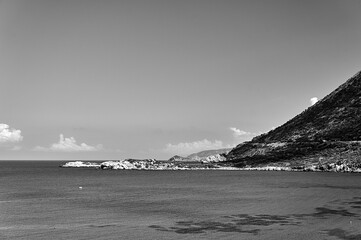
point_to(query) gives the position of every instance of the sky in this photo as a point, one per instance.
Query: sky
(99, 80)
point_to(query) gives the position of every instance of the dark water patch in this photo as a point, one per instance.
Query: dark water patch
(324, 212)
(159, 228)
(355, 206)
(197, 227)
(344, 208)
(342, 234)
(354, 201)
(245, 223)
(233, 223)
(103, 225)
(340, 187)
(263, 220)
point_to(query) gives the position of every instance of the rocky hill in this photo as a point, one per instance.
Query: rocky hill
(208, 155)
(329, 131)
(216, 155)
(177, 158)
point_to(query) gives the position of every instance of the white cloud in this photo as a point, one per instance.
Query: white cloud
(237, 132)
(9, 135)
(69, 145)
(185, 148)
(242, 136)
(313, 100)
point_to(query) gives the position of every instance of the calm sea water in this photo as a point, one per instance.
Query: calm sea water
(39, 200)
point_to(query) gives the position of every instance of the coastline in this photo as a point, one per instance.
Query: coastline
(154, 165)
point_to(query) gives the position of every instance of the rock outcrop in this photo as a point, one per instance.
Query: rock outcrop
(81, 164)
(137, 164)
(145, 164)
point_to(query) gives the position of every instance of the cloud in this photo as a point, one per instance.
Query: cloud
(185, 148)
(9, 135)
(313, 100)
(69, 145)
(242, 136)
(237, 132)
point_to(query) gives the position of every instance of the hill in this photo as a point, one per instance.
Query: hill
(217, 155)
(327, 132)
(208, 153)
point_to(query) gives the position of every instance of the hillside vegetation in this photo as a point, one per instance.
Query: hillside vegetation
(325, 133)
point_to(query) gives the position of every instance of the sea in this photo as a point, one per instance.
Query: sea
(40, 200)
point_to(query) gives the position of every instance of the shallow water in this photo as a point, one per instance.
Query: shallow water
(39, 200)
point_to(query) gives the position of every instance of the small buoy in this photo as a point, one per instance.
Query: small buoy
(80, 187)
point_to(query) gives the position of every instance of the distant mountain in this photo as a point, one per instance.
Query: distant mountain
(204, 154)
(328, 131)
(216, 155)
(176, 158)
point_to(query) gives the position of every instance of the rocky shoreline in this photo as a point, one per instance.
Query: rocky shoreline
(152, 164)
(146, 164)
